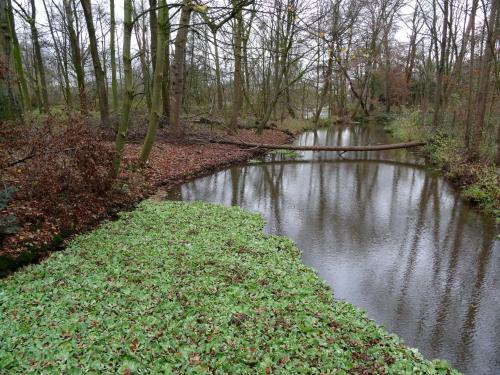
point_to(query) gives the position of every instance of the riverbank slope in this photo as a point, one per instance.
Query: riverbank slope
(55, 194)
(188, 288)
(475, 176)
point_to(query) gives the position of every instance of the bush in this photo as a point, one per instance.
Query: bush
(485, 191)
(405, 126)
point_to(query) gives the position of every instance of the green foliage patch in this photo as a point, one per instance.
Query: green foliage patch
(187, 288)
(478, 180)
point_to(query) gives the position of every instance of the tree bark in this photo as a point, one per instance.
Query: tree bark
(98, 72)
(76, 56)
(121, 135)
(178, 68)
(157, 84)
(38, 58)
(326, 86)
(218, 82)
(114, 84)
(440, 72)
(16, 51)
(484, 76)
(237, 94)
(8, 102)
(166, 74)
(393, 146)
(60, 62)
(153, 28)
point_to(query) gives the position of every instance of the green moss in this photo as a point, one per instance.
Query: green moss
(187, 288)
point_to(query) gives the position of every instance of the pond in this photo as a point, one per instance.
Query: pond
(386, 233)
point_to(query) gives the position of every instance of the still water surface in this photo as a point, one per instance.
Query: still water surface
(387, 235)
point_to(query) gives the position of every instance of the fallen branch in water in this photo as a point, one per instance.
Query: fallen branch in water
(392, 146)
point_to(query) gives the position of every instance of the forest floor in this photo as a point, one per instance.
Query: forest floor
(59, 194)
(175, 287)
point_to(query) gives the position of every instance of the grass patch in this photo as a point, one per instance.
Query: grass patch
(187, 288)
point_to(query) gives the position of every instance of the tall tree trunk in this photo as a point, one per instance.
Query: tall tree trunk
(153, 29)
(237, 94)
(76, 56)
(326, 87)
(16, 51)
(440, 72)
(112, 30)
(98, 72)
(8, 103)
(410, 61)
(470, 99)
(165, 93)
(178, 68)
(387, 68)
(457, 71)
(60, 63)
(157, 84)
(218, 82)
(38, 58)
(484, 76)
(121, 135)
(141, 43)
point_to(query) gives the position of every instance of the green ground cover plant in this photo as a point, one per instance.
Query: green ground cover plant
(187, 288)
(477, 179)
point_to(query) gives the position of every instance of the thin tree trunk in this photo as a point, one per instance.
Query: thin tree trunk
(220, 95)
(38, 58)
(326, 87)
(484, 76)
(146, 81)
(410, 62)
(178, 68)
(16, 51)
(153, 28)
(439, 97)
(166, 75)
(76, 56)
(60, 63)
(98, 72)
(114, 83)
(8, 103)
(468, 120)
(157, 84)
(237, 94)
(121, 135)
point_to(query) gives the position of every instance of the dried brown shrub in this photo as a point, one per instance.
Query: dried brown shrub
(65, 161)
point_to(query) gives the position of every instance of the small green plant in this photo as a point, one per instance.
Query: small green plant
(188, 289)
(286, 154)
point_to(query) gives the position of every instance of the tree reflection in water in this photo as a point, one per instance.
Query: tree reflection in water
(388, 235)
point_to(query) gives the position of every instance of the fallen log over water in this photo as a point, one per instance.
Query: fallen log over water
(391, 146)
